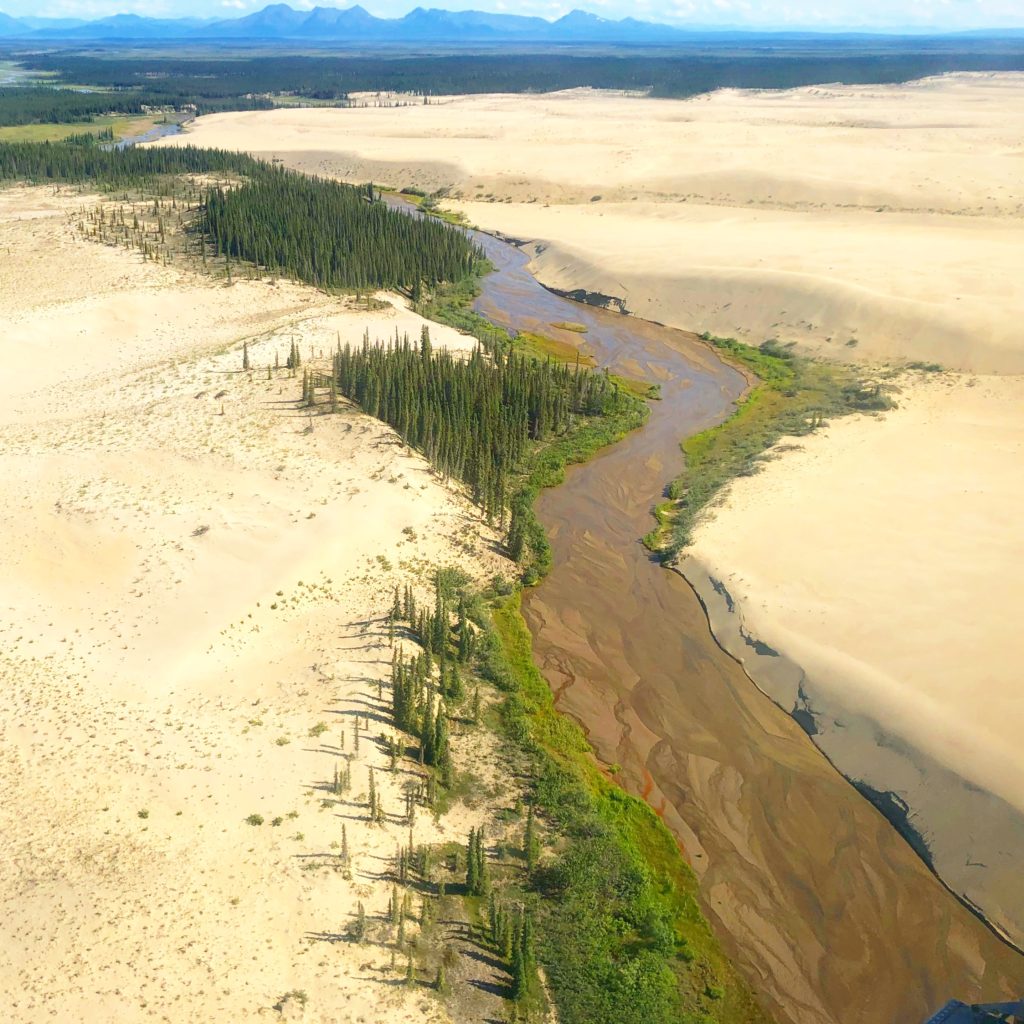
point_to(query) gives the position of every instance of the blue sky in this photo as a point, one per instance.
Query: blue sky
(866, 14)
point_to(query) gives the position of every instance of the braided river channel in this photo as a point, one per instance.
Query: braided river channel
(820, 902)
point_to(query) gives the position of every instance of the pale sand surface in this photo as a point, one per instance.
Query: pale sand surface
(936, 489)
(882, 556)
(146, 666)
(889, 215)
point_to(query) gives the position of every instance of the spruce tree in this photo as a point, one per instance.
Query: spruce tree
(530, 841)
(472, 879)
(442, 752)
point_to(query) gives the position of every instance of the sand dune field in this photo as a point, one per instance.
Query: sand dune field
(192, 591)
(880, 224)
(887, 216)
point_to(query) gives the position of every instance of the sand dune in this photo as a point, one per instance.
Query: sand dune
(875, 223)
(878, 561)
(192, 581)
(886, 215)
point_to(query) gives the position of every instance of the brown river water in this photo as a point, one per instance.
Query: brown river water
(820, 902)
(822, 905)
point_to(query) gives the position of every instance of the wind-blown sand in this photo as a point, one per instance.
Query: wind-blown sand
(888, 215)
(190, 582)
(872, 223)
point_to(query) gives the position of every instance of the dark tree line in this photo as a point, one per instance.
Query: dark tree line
(682, 71)
(473, 418)
(63, 106)
(333, 235)
(318, 231)
(47, 105)
(131, 167)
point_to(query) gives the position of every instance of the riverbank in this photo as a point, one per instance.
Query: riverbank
(793, 863)
(838, 621)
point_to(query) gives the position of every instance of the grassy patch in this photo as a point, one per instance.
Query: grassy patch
(120, 125)
(571, 325)
(541, 346)
(793, 398)
(638, 388)
(429, 204)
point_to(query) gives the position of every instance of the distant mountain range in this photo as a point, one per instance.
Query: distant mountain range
(352, 24)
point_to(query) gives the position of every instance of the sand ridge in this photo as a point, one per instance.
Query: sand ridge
(890, 631)
(192, 599)
(872, 222)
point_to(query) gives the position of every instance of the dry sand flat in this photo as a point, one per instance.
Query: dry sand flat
(879, 560)
(888, 215)
(190, 583)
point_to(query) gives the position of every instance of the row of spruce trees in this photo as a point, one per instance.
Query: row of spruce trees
(424, 689)
(322, 232)
(333, 235)
(473, 418)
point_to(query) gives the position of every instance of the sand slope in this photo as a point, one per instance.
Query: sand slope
(191, 582)
(878, 560)
(888, 215)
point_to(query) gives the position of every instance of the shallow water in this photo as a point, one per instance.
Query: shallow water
(158, 131)
(823, 905)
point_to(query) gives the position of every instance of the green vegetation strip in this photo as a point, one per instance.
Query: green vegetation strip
(794, 397)
(622, 936)
(620, 933)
